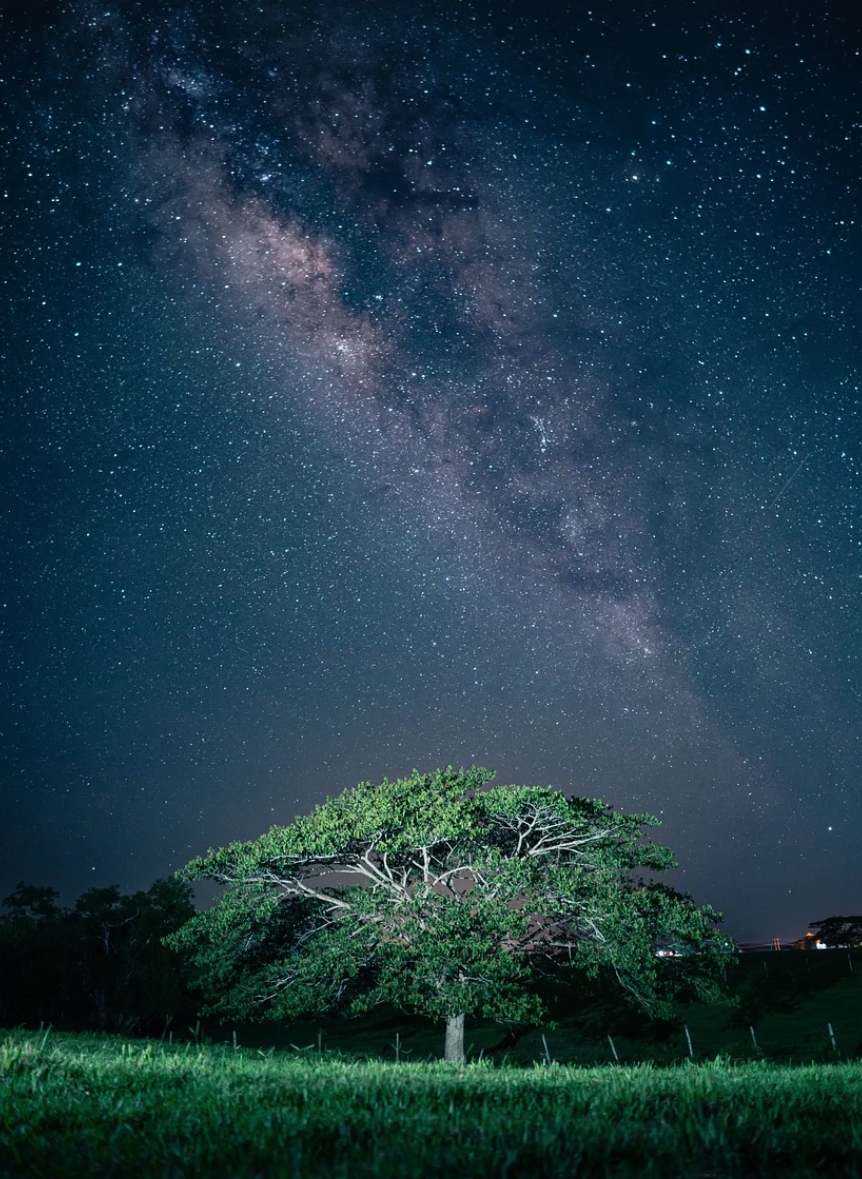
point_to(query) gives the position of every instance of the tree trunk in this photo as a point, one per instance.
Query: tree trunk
(103, 1014)
(454, 1051)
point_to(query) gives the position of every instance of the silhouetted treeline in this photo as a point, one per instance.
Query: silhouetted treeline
(840, 931)
(100, 964)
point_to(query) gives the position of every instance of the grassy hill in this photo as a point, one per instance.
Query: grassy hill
(789, 998)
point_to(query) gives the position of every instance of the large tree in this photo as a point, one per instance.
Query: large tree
(441, 897)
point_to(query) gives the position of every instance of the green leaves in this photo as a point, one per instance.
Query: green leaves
(435, 894)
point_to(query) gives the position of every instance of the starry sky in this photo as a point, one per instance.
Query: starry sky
(388, 385)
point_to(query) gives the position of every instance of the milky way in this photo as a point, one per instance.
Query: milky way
(512, 413)
(424, 299)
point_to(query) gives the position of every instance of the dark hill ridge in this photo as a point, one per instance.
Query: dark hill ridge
(789, 998)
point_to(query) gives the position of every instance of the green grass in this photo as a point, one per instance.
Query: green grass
(78, 1105)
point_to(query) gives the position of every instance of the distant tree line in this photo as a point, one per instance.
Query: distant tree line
(99, 964)
(840, 931)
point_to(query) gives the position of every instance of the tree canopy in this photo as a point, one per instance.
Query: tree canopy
(440, 896)
(840, 931)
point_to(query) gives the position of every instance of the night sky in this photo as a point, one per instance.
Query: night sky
(393, 385)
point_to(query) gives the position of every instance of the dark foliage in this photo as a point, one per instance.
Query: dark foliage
(100, 964)
(839, 931)
(784, 983)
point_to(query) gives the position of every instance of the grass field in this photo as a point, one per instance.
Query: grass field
(88, 1106)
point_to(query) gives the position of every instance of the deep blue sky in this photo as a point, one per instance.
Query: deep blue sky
(394, 385)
